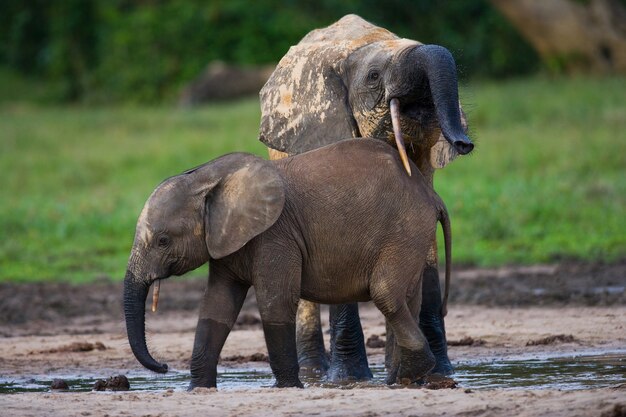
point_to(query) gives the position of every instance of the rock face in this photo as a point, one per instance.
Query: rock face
(221, 81)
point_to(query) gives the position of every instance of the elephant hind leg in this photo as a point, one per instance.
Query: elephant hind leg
(408, 358)
(415, 357)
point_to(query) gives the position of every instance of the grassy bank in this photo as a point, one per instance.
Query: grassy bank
(546, 181)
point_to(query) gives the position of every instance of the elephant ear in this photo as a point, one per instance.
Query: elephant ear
(244, 198)
(304, 104)
(442, 153)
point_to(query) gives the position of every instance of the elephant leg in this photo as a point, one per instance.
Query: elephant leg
(410, 358)
(431, 320)
(392, 354)
(312, 356)
(220, 306)
(416, 359)
(348, 359)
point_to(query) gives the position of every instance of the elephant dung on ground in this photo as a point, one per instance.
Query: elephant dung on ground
(344, 81)
(292, 229)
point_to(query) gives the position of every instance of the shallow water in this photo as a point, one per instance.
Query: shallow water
(563, 373)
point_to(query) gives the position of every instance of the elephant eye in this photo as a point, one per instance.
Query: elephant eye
(163, 241)
(373, 75)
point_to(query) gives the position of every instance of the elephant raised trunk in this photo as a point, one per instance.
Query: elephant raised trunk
(431, 88)
(135, 294)
(438, 66)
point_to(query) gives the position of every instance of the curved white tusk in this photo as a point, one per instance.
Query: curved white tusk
(155, 295)
(394, 106)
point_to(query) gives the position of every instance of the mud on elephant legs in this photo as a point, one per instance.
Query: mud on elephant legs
(409, 359)
(348, 359)
(216, 320)
(281, 348)
(431, 324)
(431, 320)
(278, 306)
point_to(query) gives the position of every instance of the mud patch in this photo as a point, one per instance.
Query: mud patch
(76, 347)
(551, 340)
(466, 341)
(255, 357)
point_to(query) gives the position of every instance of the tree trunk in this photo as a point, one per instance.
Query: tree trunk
(572, 35)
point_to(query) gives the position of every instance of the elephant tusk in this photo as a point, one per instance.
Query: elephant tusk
(155, 295)
(394, 106)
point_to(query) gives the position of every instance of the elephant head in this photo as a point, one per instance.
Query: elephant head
(343, 80)
(207, 212)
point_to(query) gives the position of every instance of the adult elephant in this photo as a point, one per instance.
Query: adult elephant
(348, 80)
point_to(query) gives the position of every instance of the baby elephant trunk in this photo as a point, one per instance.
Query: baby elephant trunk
(135, 294)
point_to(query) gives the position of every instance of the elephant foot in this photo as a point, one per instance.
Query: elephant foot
(442, 366)
(288, 384)
(313, 366)
(349, 369)
(201, 384)
(414, 365)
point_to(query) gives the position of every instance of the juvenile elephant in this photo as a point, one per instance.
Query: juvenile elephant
(354, 79)
(340, 224)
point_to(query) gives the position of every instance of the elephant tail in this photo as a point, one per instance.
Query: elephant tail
(444, 219)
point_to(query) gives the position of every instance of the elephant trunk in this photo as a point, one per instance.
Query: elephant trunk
(438, 65)
(135, 294)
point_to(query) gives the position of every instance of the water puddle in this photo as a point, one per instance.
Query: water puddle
(563, 373)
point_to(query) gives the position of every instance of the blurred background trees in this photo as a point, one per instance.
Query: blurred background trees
(145, 50)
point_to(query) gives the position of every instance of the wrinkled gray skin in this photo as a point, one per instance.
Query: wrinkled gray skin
(340, 224)
(336, 83)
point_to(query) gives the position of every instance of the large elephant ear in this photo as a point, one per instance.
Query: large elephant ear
(304, 104)
(244, 197)
(442, 153)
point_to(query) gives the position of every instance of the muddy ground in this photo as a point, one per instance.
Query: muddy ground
(51, 330)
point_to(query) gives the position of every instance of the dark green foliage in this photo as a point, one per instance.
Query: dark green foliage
(144, 50)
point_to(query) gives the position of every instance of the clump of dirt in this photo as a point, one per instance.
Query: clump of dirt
(439, 382)
(551, 340)
(59, 384)
(466, 341)
(255, 357)
(77, 347)
(114, 383)
(375, 341)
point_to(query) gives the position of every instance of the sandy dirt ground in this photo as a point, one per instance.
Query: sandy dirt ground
(59, 329)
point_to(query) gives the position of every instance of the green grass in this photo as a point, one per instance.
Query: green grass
(546, 182)
(548, 179)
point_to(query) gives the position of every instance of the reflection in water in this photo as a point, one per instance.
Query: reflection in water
(564, 373)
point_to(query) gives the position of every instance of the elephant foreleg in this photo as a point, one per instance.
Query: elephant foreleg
(348, 359)
(312, 356)
(278, 290)
(220, 306)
